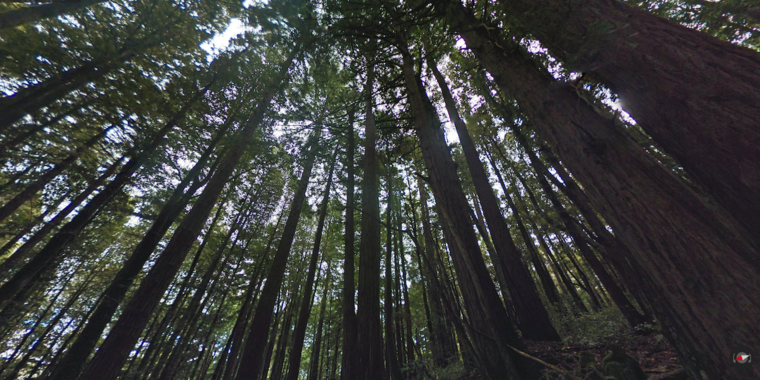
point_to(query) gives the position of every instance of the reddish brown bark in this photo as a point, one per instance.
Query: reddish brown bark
(696, 95)
(690, 253)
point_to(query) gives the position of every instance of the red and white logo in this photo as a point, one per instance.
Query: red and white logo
(742, 358)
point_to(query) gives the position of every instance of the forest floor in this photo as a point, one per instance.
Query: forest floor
(657, 358)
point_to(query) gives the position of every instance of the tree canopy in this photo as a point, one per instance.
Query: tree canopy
(426, 189)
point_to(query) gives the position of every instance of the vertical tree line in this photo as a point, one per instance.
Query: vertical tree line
(373, 190)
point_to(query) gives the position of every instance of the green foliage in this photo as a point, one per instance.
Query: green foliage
(454, 371)
(594, 328)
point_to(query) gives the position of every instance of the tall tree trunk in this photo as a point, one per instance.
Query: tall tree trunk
(483, 304)
(112, 355)
(410, 350)
(443, 350)
(271, 342)
(676, 237)
(299, 334)
(37, 13)
(241, 323)
(626, 307)
(369, 345)
(283, 342)
(317, 345)
(391, 358)
(532, 317)
(255, 343)
(610, 243)
(186, 321)
(74, 359)
(348, 367)
(711, 128)
(550, 290)
(335, 351)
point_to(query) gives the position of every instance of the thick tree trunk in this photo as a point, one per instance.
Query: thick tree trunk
(349, 315)
(369, 347)
(532, 317)
(185, 325)
(255, 343)
(112, 355)
(482, 302)
(294, 360)
(696, 95)
(613, 250)
(37, 13)
(691, 253)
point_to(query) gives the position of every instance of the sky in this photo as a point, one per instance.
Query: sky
(236, 27)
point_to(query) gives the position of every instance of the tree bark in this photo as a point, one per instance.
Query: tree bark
(443, 348)
(349, 315)
(112, 355)
(391, 357)
(711, 128)
(369, 346)
(621, 301)
(611, 245)
(74, 359)
(677, 238)
(243, 317)
(550, 290)
(317, 345)
(532, 317)
(255, 343)
(481, 300)
(294, 360)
